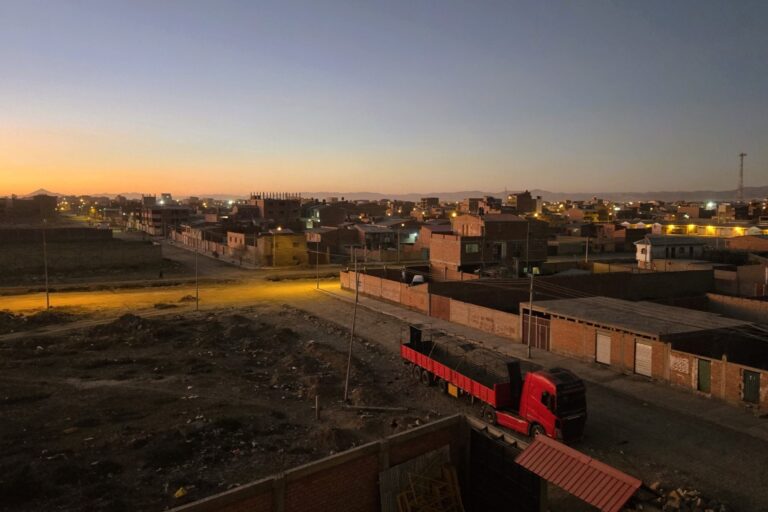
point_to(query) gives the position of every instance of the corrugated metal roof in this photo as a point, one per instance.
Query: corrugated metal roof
(648, 318)
(588, 479)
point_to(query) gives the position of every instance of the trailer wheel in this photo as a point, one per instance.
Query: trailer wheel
(416, 372)
(426, 378)
(490, 416)
(443, 385)
(537, 430)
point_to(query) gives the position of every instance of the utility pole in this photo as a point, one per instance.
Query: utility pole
(398, 244)
(586, 251)
(197, 283)
(274, 246)
(45, 269)
(741, 176)
(352, 331)
(317, 263)
(530, 289)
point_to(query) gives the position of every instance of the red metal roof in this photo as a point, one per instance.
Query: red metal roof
(588, 479)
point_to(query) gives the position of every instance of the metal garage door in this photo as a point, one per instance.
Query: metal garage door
(704, 381)
(603, 349)
(643, 357)
(751, 387)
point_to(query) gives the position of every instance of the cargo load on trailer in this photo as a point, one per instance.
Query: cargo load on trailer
(516, 395)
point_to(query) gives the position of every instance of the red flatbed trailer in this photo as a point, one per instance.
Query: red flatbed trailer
(540, 402)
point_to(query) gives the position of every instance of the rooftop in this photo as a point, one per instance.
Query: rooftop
(642, 317)
(661, 240)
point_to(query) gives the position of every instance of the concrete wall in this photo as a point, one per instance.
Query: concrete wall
(348, 481)
(752, 310)
(487, 320)
(414, 297)
(419, 298)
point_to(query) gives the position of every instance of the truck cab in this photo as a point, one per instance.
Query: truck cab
(553, 402)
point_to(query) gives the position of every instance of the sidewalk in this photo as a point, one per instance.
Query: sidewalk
(649, 392)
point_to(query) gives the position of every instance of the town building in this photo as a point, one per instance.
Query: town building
(653, 251)
(713, 355)
(481, 242)
(280, 209)
(160, 220)
(524, 202)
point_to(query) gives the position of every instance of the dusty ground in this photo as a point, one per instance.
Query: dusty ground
(10, 322)
(121, 416)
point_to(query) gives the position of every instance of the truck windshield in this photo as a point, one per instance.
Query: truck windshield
(571, 403)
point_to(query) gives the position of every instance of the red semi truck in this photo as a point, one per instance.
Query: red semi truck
(532, 402)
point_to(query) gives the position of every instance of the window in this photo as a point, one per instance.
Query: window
(472, 248)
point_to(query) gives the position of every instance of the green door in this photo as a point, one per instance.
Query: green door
(751, 387)
(705, 376)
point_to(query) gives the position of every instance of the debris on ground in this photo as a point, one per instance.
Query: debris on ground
(147, 414)
(10, 322)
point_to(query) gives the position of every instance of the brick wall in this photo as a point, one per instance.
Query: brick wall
(751, 310)
(351, 486)
(579, 340)
(65, 256)
(440, 307)
(682, 370)
(391, 290)
(416, 297)
(348, 481)
(485, 319)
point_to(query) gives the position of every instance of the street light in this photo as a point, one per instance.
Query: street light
(45, 269)
(197, 282)
(274, 246)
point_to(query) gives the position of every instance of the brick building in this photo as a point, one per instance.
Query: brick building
(524, 202)
(33, 209)
(282, 248)
(711, 354)
(160, 220)
(751, 243)
(280, 209)
(481, 241)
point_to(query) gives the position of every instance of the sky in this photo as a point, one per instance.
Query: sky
(197, 97)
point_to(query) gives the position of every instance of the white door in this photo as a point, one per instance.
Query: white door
(643, 358)
(603, 349)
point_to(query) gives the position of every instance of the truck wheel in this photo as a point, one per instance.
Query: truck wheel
(443, 385)
(537, 430)
(490, 416)
(426, 378)
(416, 372)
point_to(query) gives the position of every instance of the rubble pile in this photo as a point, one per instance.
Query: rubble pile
(10, 322)
(655, 498)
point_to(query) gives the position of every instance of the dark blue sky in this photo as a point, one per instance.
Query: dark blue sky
(388, 96)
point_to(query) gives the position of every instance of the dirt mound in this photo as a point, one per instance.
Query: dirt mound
(332, 439)
(10, 322)
(51, 316)
(188, 298)
(128, 323)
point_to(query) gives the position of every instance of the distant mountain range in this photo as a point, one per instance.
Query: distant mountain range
(697, 195)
